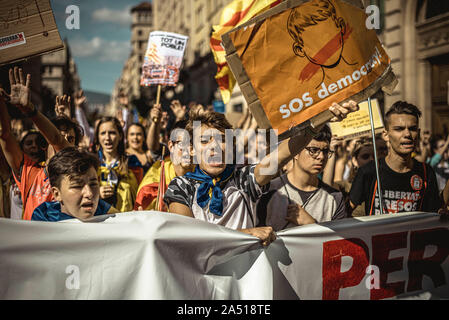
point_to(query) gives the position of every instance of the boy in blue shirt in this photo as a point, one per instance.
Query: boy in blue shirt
(75, 187)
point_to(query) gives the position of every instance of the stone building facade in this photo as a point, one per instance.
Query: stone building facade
(416, 37)
(59, 72)
(193, 18)
(129, 81)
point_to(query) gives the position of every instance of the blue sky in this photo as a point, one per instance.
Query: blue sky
(102, 44)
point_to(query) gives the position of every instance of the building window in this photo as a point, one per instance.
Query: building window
(436, 8)
(139, 32)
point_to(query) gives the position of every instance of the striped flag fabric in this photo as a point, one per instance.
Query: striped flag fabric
(234, 14)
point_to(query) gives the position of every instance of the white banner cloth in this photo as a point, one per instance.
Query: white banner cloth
(155, 255)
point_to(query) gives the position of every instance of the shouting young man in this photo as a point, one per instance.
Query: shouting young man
(220, 193)
(407, 185)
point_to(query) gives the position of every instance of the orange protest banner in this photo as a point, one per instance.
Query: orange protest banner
(293, 61)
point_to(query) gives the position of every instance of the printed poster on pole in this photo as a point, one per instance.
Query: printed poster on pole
(163, 59)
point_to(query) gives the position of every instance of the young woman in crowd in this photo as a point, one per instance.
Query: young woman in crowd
(136, 145)
(119, 174)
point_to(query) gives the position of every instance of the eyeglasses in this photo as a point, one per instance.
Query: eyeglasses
(314, 152)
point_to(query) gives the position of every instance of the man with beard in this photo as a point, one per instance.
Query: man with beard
(407, 185)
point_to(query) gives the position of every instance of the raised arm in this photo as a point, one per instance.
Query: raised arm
(21, 97)
(329, 170)
(9, 144)
(290, 147)
(80, 100)
(155, 128)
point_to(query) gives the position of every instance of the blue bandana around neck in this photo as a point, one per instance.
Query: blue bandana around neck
(208, 183)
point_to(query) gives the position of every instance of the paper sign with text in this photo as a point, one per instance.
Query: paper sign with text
(27, 28)
(163, 59)
(298, 58)
(358, 124)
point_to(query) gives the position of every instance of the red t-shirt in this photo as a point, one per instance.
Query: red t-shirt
(33, 177)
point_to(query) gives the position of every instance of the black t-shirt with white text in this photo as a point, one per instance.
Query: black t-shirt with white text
(416, 190)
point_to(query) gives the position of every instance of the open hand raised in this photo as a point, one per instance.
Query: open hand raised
(62, 106)
(20, 90)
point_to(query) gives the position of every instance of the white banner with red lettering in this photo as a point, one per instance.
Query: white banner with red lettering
(154, 255)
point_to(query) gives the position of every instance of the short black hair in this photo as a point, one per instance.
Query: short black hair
(70, 162)
(402, 107)
(324, 135)
(65, 123)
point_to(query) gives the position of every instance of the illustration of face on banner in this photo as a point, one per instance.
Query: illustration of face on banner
(163, 59)
(303, 59)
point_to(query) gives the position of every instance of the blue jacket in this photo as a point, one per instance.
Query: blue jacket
(51, 211)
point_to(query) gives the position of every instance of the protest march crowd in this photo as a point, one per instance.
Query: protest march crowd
(63, 168)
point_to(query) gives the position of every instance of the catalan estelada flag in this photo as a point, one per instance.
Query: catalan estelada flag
(234, 14)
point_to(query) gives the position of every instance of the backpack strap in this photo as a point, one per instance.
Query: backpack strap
(425, 185)
(373, 198)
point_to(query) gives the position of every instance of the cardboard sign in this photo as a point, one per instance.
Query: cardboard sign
(27, 28)
(293, 61)
(163, 58)
(358, 124)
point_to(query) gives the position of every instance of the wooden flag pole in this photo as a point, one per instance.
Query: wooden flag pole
(158, 98)
(158, 95)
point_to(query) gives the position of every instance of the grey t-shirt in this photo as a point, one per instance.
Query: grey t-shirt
(323, 204)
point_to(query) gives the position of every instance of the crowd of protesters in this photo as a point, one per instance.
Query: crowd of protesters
(64, 168)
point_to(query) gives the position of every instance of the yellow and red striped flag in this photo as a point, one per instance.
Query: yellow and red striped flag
(234, 14)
